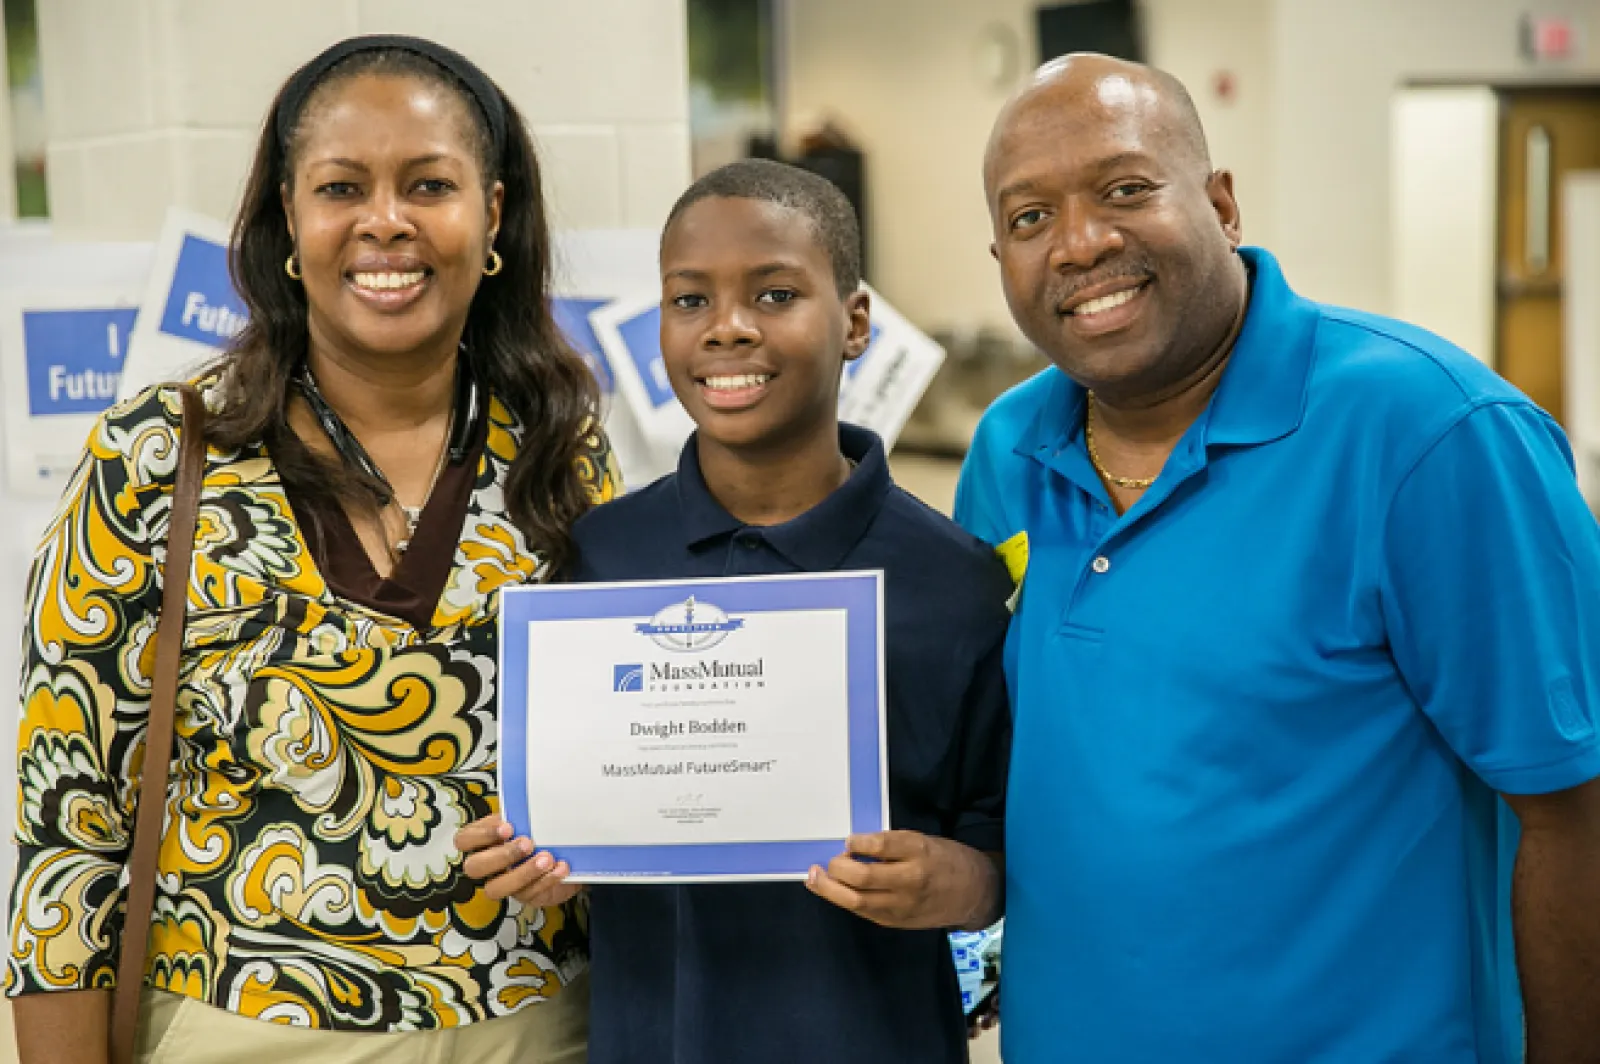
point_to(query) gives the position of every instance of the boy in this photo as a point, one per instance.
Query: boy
(761, 308)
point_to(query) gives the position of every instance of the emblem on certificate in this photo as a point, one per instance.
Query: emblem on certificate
(694, 730)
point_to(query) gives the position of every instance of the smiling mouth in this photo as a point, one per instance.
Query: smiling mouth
(736, 383)
(734, 391)
(1103, 304)
(389, 280)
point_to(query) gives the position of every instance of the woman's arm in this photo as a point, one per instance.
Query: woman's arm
(88, 648)
(67, 1028)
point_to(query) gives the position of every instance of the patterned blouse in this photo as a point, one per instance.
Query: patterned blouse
(326, 753)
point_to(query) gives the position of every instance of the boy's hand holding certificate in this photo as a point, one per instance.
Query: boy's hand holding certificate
(694, 730)
(911, 880)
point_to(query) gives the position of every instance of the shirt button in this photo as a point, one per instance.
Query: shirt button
(1102, 564)
(749, 542)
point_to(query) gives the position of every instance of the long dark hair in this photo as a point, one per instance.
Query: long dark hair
(510, 337)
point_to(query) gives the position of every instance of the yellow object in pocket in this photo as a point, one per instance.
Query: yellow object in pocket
(1014, 552)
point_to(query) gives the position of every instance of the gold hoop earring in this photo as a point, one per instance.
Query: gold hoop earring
(291, 268)
(495, 263)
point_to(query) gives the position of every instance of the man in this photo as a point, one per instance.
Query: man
(1304, 588)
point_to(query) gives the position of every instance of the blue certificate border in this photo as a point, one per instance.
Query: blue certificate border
(859, 594)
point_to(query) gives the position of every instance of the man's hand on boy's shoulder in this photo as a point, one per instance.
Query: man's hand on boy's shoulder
(909, 880)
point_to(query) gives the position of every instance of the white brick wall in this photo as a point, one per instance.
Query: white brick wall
(153, 103)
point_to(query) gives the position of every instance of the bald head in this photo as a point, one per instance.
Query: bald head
(1114, 236)
(1102, 89)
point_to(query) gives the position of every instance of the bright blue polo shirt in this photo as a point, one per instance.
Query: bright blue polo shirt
(1259, 718)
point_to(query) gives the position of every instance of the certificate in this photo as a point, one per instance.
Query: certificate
(694, 730)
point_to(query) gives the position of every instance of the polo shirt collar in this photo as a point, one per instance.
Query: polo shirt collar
(1262, 394)
(819, 539)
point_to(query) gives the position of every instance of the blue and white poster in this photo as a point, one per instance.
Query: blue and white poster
(190, 310)
(592, 269)
(884, 385)
(74, 358)
(629, 332)
(572, 318)
(62, 356)
(201, 303)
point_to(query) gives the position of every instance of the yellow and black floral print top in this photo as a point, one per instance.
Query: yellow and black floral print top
(325, 755)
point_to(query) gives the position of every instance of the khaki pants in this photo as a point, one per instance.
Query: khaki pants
(179, 1030)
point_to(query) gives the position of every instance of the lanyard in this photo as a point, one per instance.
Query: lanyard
(468, 405)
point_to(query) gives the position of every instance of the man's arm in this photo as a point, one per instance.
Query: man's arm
(1490, 587)
(1556, 913)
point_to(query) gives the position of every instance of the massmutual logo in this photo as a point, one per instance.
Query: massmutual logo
(688, 627)
(627, 678)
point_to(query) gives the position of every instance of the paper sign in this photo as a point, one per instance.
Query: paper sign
(31, 259)
(74, 358)
(201, 303)
(62, 354)
(629, 331)
(594, 268)
(572, 318)
(190, 310)
(638, 459)
(890, 378)
(641, 339)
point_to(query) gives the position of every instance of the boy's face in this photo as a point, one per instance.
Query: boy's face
(753, 330)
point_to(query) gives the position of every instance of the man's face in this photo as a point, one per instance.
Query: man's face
(1114, 243)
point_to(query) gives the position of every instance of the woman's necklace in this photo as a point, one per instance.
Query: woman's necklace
(350, 449)
(414, 513)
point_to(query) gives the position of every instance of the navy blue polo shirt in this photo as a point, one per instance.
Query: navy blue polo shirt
(707, 974)
(1260, 718)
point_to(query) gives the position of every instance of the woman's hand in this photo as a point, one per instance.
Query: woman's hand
(510, 868)
(911, 880)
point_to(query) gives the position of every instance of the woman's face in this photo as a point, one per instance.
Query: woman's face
(389, 216)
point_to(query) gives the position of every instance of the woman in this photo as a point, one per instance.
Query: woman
(399, 433)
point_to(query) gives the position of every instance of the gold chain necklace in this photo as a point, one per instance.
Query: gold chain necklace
(1129, 483)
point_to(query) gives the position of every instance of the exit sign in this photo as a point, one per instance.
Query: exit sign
(1549, 38)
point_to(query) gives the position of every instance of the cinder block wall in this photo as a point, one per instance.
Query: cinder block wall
(152, 103)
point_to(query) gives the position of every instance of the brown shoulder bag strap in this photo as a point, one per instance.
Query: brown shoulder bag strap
(146, 849)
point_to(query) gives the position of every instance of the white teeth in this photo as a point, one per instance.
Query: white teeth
(1104, 303)
(743, 380)
(389, 280)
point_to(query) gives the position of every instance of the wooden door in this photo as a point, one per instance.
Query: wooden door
(1544, 134)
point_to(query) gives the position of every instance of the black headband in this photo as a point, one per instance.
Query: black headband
(477, 83)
